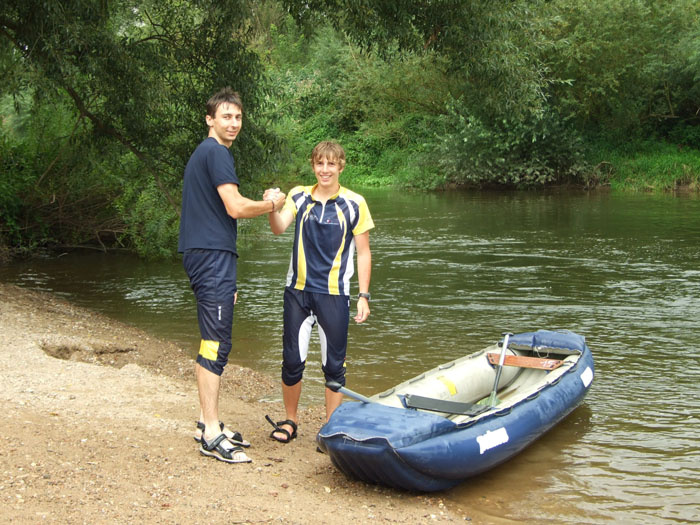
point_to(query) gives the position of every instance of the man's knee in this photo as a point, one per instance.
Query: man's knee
(291, 375)
(336, 374)
(213, 356)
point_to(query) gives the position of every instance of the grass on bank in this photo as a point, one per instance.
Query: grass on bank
(649, 166)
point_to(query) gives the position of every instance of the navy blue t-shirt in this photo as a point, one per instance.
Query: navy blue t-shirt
(204, 222)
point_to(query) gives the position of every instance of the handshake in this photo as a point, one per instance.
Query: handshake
(276, 196)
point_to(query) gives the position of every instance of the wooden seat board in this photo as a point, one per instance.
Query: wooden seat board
(525, 361)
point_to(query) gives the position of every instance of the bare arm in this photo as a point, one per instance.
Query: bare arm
(364, 272)
(240, 207)
(280, 220)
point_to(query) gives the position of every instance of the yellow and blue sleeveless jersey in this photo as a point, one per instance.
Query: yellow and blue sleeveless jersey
(324, 245)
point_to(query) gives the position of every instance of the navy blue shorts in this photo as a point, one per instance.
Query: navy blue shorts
(212, 276)
(302, 310)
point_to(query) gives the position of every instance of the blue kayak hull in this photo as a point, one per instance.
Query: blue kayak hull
(423, 451)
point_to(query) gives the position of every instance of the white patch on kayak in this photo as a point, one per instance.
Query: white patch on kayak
(492, 439)
(587, 376)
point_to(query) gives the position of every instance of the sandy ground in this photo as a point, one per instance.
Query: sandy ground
(97, 427)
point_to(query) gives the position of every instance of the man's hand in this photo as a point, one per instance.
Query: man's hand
(276, 196)
(362, 310)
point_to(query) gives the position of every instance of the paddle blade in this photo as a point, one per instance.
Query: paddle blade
(490, 401)
(493, 400)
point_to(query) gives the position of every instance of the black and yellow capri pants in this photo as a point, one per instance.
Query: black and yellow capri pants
(212, 276)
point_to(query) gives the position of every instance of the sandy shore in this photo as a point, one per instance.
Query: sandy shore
(97, 428)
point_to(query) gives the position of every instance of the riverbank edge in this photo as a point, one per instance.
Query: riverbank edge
(98, 428)
(605, 182)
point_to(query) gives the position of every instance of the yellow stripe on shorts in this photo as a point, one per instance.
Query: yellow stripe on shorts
(209, 349)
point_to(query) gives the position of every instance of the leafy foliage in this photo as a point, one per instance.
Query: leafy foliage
(632, 64)
(57, 183)
(480, 40)
(136, 75)
(524, 83)
(101, 103)
(380, 110)
(511, 152)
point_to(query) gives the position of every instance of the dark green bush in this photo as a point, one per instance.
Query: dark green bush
(532, 152)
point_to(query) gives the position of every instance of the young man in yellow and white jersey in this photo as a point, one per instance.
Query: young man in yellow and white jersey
(332, 223)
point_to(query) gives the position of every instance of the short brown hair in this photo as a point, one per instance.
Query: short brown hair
(330, 150)
(223, 96)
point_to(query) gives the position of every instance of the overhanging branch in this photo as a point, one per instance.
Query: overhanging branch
(112, 132)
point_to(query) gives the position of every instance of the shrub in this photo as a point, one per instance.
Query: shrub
(537, 150)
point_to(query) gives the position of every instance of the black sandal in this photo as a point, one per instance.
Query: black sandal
(278, 428)
(236, 438)
(222, 449)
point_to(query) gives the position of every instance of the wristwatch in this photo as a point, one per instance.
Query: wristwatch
(366, 295)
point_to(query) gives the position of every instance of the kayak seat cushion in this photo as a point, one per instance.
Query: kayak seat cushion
(549, 341)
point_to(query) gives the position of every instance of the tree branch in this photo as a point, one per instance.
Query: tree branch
(63, 147)
(111, 131)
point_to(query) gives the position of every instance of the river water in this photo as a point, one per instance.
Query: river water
(451, 272)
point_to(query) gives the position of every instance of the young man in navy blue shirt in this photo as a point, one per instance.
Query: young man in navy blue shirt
(211, 205)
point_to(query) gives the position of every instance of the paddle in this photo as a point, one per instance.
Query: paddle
(493, 400)
(337, 387)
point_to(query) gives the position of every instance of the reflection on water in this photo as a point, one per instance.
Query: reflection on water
(450, 272)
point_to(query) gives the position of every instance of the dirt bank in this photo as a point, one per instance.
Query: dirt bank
(97, 428)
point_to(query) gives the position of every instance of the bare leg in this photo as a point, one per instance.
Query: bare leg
(333, 400)
(208, 385)
(290, 395)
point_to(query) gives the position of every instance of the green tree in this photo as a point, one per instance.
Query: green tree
(528, 83)
(632, 64)
(135, 75)
(480, 40)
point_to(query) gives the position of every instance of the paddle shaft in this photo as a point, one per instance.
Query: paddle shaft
(492, 397)
(337, 387)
